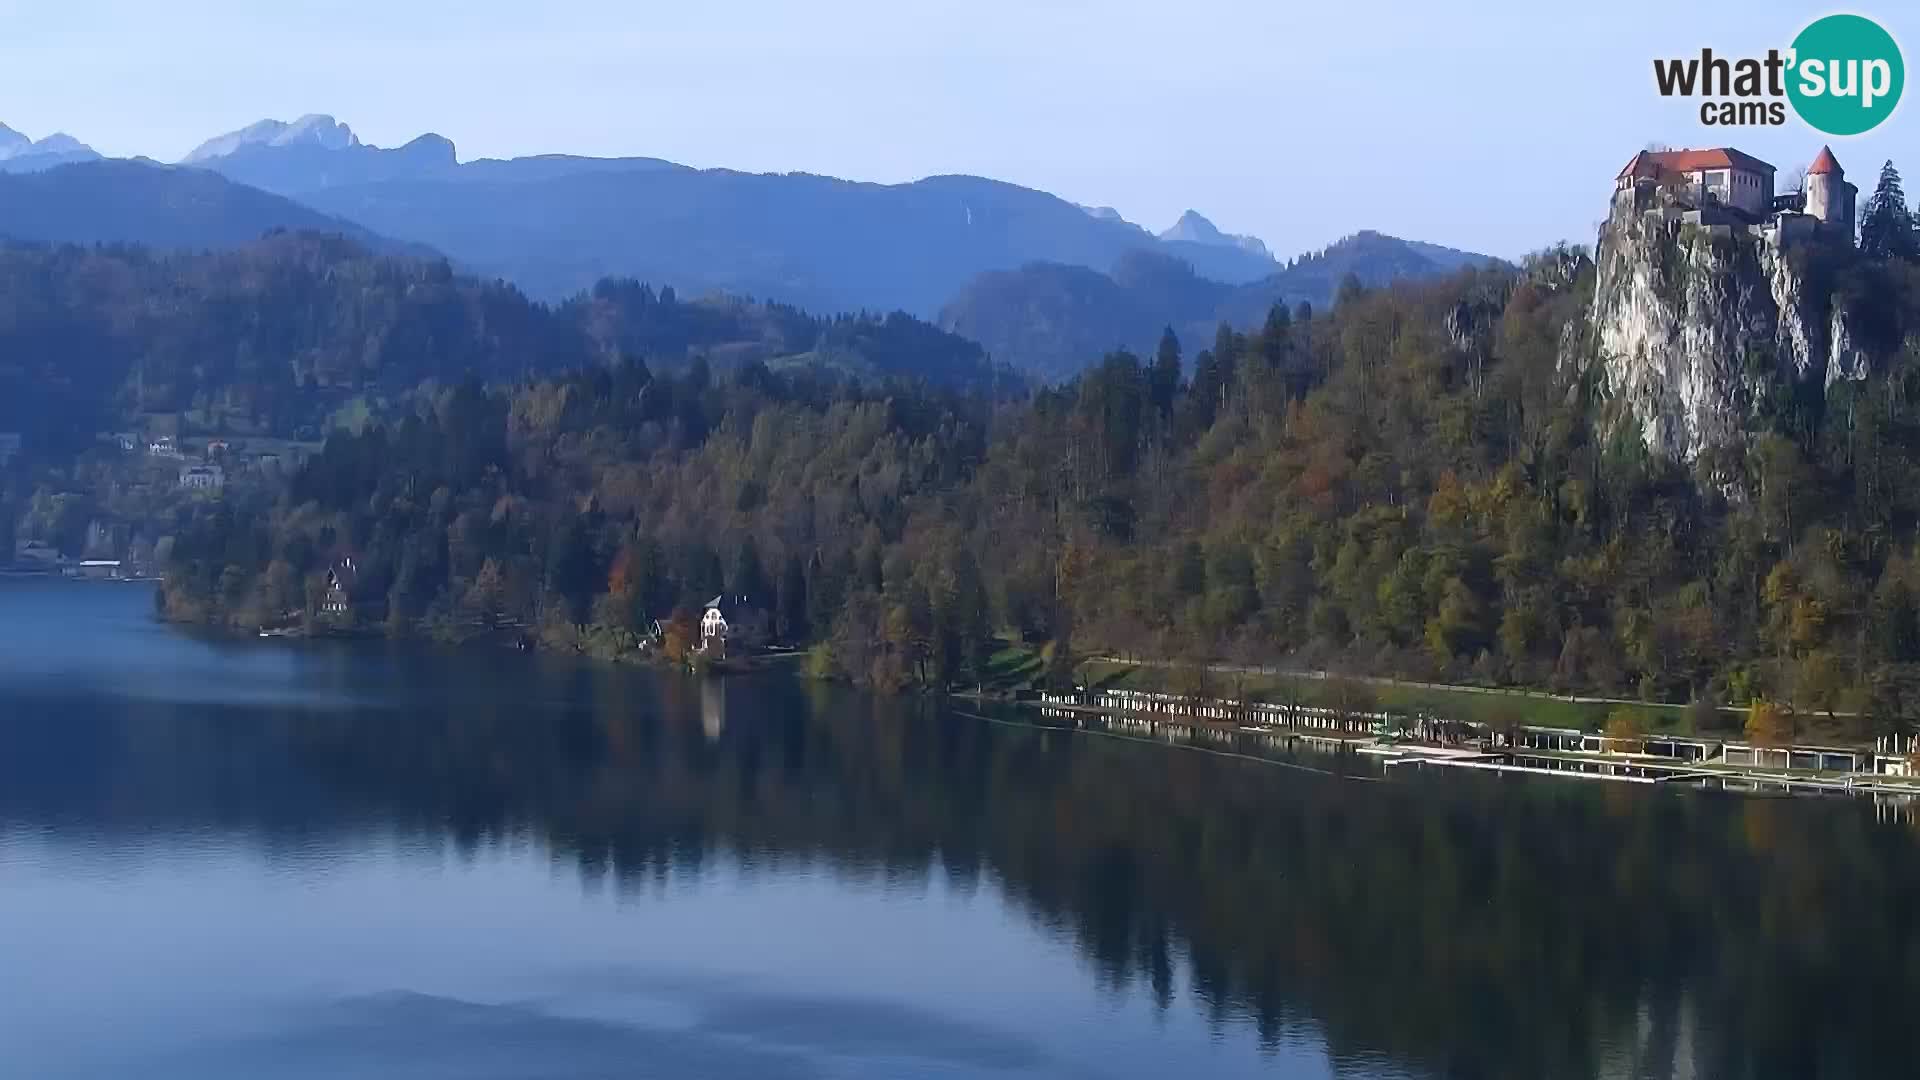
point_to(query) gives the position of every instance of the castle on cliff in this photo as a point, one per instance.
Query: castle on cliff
(1723, 188)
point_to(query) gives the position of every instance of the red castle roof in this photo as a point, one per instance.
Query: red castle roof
(1651, 163)
(1825, 164)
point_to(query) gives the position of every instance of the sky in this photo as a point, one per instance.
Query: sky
(1495, 126)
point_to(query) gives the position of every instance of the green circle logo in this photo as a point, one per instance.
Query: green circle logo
(1847, 74)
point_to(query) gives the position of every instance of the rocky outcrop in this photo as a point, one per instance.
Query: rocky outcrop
(1692, 324)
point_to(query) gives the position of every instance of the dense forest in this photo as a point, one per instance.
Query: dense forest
(1408, 483)
(271, 337)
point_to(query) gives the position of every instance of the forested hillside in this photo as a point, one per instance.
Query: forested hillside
(139, 202)
(1406, 484)
(270, 337)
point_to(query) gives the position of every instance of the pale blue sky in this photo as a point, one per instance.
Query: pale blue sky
(1495, 126)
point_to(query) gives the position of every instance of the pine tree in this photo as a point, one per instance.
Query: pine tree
(1351, 289)
(791, 623)
(1886, 226)
(749, 577)
(1165, 380)
(1273, 337)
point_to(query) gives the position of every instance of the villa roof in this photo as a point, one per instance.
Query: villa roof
(1651, 163)
(1825, 163)
(343, 572)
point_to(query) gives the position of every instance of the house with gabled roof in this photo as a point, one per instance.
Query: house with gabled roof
(342, 576)
(731, 622)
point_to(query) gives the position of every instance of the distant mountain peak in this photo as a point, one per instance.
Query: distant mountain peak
(431, 146)
(313, 129)
(319, 129)
(18, 153)
(60, 143)
(1194, 228)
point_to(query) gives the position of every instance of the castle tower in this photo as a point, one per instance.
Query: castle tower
(1829, 196)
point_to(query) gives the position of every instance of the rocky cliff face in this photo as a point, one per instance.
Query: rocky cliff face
(1691, 326)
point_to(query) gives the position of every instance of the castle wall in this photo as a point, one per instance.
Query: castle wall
(1749, 191)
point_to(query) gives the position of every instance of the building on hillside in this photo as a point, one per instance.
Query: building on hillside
(342, 576)
(1727, 187)
(731, 623)
(203, 478)
(163, 446)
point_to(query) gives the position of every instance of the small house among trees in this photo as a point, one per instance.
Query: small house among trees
(337, 600)
(731, 621)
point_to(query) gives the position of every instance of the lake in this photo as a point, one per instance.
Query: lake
(280, 859)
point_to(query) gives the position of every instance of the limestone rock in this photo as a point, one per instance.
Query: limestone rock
(1691, 326)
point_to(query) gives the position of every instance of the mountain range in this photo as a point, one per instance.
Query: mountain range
(1052, 319)
(19, 154)
(159, 206)
(554, 225)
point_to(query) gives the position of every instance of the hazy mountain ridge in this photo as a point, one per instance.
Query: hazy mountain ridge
(160, 206)
(314, 129)
(19, 154)
(557, 223)
(1053, 321)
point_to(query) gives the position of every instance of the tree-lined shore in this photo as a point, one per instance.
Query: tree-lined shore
(1410, 484)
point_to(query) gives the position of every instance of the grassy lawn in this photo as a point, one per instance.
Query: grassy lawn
(1014, 667)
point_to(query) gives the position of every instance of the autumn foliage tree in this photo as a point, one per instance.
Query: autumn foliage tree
(679, 635)
(1770, 724)
(1626, 730)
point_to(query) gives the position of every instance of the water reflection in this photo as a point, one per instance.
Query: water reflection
(1439, 924)
(713, 708)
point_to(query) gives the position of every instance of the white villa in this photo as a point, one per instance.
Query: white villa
(713, 625)
(341, 578)
(731, 619)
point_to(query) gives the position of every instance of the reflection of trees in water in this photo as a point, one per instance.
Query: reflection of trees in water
(1471, 928)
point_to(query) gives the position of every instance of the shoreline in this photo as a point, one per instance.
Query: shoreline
(1214, 724)
(1420, 739)
(1407, 731)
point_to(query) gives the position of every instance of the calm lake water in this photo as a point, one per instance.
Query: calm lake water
(270, 859)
